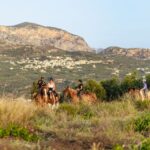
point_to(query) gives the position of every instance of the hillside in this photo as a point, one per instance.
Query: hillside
(130, 52)
(20, 67)
(40, 37)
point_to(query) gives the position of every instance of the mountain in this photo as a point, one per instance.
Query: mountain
(130, 52)
(40, 37)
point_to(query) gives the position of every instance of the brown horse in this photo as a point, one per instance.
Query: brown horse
(135, 93)
(139, 94)
(145, 96)
(86, 97)
(43, 98)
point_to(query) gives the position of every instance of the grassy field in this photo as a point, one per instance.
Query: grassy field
(120, 125)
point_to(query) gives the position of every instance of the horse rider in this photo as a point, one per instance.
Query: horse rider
(79, 88)
(52, 87)
(41, 83)
(145, 88)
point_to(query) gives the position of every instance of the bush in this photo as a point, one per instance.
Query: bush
(34, 89)
(94, 87)
(112, 88)
(17, 131)
(148, 81)
(131, 82)
(145, 144)
(118, 147)
(142, 123)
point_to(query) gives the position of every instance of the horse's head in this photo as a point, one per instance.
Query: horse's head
(66, 91)
(44, 90)
(70, 92)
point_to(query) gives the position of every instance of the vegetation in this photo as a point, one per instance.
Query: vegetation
(142, 123)
(17, 80)
(18, 132)
(112, 89)
(120, 124)
(123, 123)
(94, 87)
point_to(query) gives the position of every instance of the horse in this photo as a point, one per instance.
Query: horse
(139, 94)
(89, 98)
(134, 93)
(145, 95)
(42, 98)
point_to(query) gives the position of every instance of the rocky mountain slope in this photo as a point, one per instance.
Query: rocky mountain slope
(131, 52)
(37, 36)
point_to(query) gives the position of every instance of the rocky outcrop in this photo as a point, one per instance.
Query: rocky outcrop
(41, 37)
(131, 52)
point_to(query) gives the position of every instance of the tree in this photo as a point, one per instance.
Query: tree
(148, 81)
(34, 89)
(131, 82)
(94, 87)
(112, 88)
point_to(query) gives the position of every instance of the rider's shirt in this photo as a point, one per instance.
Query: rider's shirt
(145, 86)
(80, 86)
(40, 83)
(51, 85)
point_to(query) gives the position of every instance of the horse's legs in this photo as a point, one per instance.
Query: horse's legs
(142, 95)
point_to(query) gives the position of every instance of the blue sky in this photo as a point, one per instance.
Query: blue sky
(102, 23)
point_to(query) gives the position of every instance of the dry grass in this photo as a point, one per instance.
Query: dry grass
(105, 124)
(16, 112)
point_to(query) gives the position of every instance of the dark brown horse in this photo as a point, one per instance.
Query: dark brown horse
(89, 98)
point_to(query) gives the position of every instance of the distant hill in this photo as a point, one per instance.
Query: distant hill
(130, 52)
(42, 37)
(99, 50)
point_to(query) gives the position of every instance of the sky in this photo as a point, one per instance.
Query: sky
(102, 23)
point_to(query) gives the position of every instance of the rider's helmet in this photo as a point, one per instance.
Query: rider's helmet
(42, 78)
(80, 80)
(51, 79)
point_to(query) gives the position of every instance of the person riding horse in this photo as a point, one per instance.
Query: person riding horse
(145, 88)
(52, 87)
(79, 88)
(41, 83)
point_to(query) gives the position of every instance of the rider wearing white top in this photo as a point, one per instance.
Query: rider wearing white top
(52, 87)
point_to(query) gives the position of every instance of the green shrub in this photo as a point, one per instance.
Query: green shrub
(131, 82)
(34, 88)
(145, 144)
(148, 81)
(142, 123)
(94, 87)
(118, 147)
(17, 131)
(112, 88)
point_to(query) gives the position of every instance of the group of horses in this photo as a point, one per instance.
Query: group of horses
(43, 98)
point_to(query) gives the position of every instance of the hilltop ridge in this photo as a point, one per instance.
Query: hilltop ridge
(42, 37)
(129, 52)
